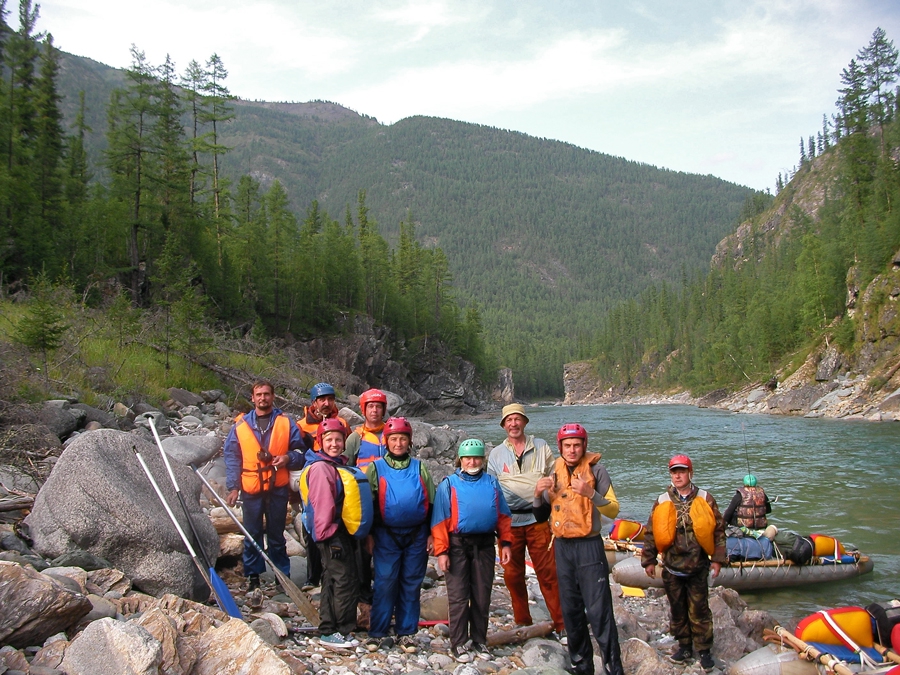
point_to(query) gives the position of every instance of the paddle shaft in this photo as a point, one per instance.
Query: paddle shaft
(165, 458)
(299, 597)
(220, 590)
(174, 520)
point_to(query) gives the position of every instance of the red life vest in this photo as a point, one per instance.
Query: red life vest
(256, 476)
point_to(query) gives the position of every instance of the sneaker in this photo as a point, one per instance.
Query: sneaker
(408, 644)
(481, 651)
(338, 640)
(372, 644)
(460, 654)
(706, 660)
(683, 655)
(253, 582)
(387, 643)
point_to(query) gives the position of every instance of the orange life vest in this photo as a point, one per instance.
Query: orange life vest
(571, 514)
(665, 520)
(256, 476)
(313, 429)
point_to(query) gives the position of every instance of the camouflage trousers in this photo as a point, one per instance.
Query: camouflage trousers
(691, 620)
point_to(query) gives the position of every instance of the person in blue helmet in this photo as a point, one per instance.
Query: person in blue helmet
(748, 508)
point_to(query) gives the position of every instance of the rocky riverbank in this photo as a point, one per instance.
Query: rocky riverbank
(821, 387)
(95, 580)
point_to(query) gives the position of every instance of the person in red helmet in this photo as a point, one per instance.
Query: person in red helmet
(364, 446)
(686, 528)
(573, 498)
(403, 494)
(322, 504)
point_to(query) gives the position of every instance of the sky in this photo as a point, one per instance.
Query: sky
(717, 87)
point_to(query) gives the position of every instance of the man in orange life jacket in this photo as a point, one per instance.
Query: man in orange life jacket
(574, 497)
(686, 527)
(363, 447)
(260, 450)
(321, 407)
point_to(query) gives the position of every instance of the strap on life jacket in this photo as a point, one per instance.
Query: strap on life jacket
(864, 658)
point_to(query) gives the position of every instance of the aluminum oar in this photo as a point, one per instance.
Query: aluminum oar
(220, 590)
(304, 604)
(203, 570)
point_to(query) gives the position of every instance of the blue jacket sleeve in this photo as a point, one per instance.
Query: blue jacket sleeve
(233, 461)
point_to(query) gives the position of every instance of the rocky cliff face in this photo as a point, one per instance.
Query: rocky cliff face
(430, 379)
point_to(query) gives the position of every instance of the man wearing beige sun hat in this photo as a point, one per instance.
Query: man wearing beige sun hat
(518, 463)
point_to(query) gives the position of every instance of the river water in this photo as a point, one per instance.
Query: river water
(840, 478)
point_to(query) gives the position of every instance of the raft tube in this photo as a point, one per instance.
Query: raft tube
(750, 576)
(772, 660)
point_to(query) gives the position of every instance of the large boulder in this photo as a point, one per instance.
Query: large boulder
(59, 418)
(99, 500)
(195, 450)
(35, 606)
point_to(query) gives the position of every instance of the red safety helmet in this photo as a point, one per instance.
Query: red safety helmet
(396, 425)
(328, 425)
(681, 462)
(571, 431)
(372, 396)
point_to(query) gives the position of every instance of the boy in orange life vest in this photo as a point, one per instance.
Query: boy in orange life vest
(340, 580)
(469, 512)
(574, 497)
(403, 493)
(686, 527)
(260, 450)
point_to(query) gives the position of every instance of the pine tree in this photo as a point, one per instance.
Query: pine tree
(43, 326)
(216, 112)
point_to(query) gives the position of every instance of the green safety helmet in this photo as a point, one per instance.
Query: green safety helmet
(471, 447)
(750, 480)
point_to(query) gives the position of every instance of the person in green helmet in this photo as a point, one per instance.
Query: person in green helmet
(748, 508)
(469, 512)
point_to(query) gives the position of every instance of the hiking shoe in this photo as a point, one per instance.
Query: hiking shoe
(338, 640)
(683, 655)
(559, 636)
(372, 644)
(408, 644)
(481, 651)
(252, 582)
(706, 660)
(459, 653)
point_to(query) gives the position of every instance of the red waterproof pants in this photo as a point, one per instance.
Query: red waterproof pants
(536, 537)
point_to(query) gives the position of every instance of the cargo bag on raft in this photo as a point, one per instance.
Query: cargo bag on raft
(887, 622)
(740, 549)
(626, 530)
(791, 546)
(844, 632)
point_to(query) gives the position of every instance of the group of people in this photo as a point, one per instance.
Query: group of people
(371, 511)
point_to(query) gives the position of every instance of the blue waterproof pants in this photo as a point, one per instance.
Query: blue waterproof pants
(400, 558)
(270, 506)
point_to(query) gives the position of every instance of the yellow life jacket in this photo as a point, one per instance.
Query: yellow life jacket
(665, 520)
(827, 546)
(353, 500)
(257, 476)
(571, 514)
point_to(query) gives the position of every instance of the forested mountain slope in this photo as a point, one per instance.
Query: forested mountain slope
(811, 279)
(544, 236)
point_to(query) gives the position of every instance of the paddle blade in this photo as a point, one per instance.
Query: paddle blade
(304, 604)
(223, 596)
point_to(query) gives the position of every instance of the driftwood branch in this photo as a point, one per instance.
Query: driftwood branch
(16, 504)
(520, 634)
